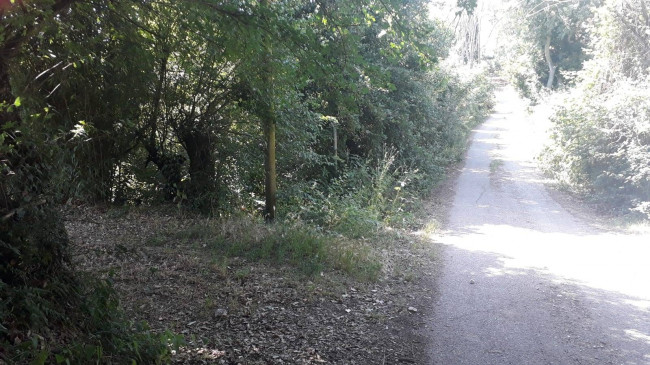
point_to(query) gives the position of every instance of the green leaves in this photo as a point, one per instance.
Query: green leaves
(550, 35)
(467, 5)
(601, 133)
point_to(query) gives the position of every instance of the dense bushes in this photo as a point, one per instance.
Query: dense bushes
(366, 193)
(602, 146)
(182, 119)
(601, 134)
(173, 101)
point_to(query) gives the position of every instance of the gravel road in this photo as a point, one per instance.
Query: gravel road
(525, 281)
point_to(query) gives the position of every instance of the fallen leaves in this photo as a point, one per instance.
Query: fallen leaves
(238, 312)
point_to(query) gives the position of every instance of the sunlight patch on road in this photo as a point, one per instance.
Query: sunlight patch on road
(635, 334)
(491, 272)
(606, 261)
(641, 304)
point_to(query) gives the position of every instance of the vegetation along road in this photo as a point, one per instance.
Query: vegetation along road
(264, 182)
(527, 280)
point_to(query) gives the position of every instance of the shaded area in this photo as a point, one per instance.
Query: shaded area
(234, 310)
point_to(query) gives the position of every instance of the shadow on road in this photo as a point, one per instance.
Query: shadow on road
(507, 314)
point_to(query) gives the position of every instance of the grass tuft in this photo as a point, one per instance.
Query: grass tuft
(294, 244)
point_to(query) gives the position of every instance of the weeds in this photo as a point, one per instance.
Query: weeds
(290, 243)
(495, 165)
(96, 329)
(431, 227)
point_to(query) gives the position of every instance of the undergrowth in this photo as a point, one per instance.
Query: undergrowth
(75, 321)
(330, 227)
(306, 248)
(600, 148)
(337, 221)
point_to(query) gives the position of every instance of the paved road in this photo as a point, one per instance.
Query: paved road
(524, 281)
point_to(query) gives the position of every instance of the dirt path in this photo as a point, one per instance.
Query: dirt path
(524, 280)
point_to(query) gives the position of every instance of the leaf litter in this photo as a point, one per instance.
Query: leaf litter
(234, 311)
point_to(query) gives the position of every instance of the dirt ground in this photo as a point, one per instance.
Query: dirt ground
(232, 311)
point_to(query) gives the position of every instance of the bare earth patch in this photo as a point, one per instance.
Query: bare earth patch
(232, 311)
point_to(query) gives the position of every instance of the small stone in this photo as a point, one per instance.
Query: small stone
(472, 281)
(220, 313)
(413, 309)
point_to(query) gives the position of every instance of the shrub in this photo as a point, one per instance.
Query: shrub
(601, 146)
(601, 136)
(89, 325)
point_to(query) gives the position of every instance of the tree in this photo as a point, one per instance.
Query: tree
(557, 29)
(600, 133)
(622, 38)
(267, 115)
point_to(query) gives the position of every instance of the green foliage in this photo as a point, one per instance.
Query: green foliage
(601, 140)
(621, 40)
(96, 330)
(601, 146)
(535, 27)
(139, 102)
(467, 5)
(428, 116)
(524, 77)
(180, 121)
(287, 243)
(356, 203)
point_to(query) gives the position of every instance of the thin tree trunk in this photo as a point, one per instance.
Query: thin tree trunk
(98, 160)
(268, 121)
(152, 121)
(335, 137)
(549, 61)
(270, 185)
(168, 164)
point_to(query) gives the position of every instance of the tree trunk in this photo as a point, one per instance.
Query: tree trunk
(549, 61)
(202, 185)
(268, 121)
(335, 138)
(270, 185)
(99, 161)
(169, 165)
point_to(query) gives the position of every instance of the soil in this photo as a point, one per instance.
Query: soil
(233, 311)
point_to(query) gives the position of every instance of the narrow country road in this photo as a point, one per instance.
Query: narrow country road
(524, 281)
